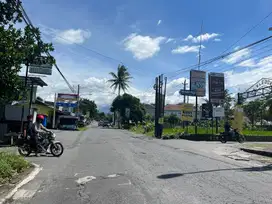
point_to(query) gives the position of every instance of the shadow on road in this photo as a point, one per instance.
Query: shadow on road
(249, 169)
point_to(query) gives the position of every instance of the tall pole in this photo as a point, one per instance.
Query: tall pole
(156, 86)
(78, 99)
(164, 97)
(24, 97)
(54, 112)
(199, 60)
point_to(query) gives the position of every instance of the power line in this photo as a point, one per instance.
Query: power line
(255, 26)
(91, 50)
(218, 57)
(29, 23)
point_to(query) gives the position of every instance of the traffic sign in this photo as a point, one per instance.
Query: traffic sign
(187, 92)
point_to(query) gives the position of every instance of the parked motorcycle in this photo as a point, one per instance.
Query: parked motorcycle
(224, 137)
(47, 144)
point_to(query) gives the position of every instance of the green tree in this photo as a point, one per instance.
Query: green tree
(253, 111)
(137, 111)
(86, 106)
(120, 80)
(17, 47)
(227, 105)
(172, 120)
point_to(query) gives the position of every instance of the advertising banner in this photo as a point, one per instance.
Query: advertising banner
(198, 82)
(67, 100)
(41, 65)
(187, 112)
(216, 88)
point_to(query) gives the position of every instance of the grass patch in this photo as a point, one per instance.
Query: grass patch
(11, 165)
(200, 130)
(83, 128)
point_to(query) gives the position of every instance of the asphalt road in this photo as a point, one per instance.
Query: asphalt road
(105, 166)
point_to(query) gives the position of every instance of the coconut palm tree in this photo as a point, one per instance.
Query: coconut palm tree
(120, 80)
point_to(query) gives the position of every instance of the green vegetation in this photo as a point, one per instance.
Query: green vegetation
(83, 128)
(18, 46)
(120, 80)
(11, 165)
(140, 129)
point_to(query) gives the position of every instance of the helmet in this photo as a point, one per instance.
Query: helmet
(40, 116)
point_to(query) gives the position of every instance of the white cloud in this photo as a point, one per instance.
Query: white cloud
(247, 63)
(243, 80)
(169, 40)
(217, 40)
(186, 49)
(237, 56)
(203, 37)
(72, 36)
(142, 47)
(159, 22)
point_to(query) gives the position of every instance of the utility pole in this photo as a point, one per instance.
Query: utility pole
(78, 99)
(156, 87)
(164, 97)
(24, 96)
(199, 60)
(54, 113)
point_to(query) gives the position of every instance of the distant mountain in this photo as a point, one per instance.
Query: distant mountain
(104, 108)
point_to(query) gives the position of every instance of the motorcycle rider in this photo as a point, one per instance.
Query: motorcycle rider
(37, 128)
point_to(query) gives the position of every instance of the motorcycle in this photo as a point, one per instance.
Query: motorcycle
(47, 144)
(224, 137)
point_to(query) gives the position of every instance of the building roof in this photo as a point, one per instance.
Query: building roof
(172, 107)
(36, 81)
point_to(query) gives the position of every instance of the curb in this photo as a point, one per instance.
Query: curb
(27, 179)
(259, 152)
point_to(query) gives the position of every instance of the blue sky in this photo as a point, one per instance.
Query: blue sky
(149, 37)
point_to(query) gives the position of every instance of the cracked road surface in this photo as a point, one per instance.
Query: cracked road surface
(105, 166)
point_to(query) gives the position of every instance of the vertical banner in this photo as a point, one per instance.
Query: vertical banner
(216, 88)
(198, 82)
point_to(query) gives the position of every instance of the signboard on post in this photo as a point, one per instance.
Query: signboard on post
(67, 100)
(216, 88)
(206, 111)
(41, 65)
(198, 82)
(187, 92)
(187, 112)
(218, 112)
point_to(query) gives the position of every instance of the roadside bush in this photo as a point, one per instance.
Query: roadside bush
(10, 165)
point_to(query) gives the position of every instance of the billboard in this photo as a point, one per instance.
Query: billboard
(206, 111)
(41, 65)
(67, 97)
(216, 88)
(198, 82)
(218, 112)
(187, 112)
(67, 100)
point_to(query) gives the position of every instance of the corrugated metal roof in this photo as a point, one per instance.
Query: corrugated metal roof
(172, 107)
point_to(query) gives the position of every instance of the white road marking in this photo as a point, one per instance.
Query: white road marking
(30, 177)
(112, 176)
(84, 180)
(24, 194)
(125, 184)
